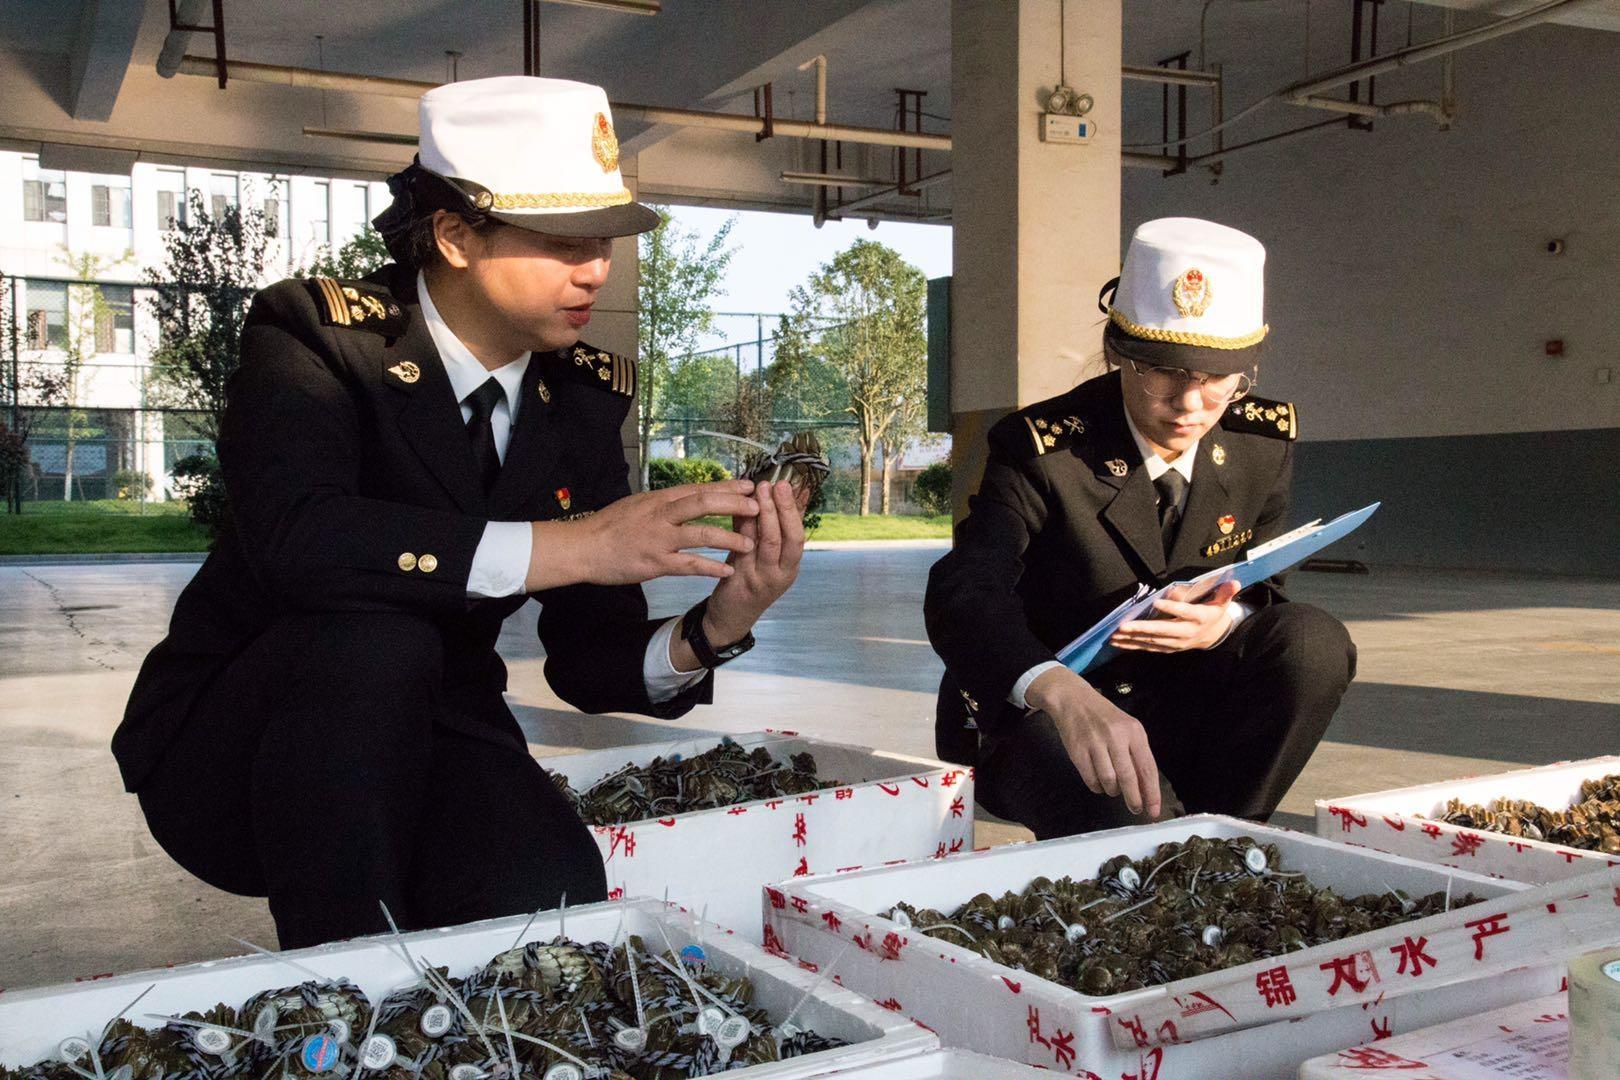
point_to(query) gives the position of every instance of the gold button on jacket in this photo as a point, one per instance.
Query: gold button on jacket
(427, 563)
(407, 561)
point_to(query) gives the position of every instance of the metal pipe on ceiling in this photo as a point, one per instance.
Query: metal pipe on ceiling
(187, 13)
(1173, 76)
(1361, 108)
(1298, 92)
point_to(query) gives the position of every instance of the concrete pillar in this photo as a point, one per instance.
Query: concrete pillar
(1036, 224)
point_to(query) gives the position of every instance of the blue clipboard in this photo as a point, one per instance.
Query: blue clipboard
(1091, 649)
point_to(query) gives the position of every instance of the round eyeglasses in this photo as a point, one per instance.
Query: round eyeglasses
(1171, 382)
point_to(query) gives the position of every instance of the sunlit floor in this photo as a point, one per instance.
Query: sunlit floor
(1459, 674)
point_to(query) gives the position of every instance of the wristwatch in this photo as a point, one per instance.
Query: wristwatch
(706, 653)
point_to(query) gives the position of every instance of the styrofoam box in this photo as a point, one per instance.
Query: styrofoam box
(892, 808)
(1533, 1036)
(1399, 821)
(945, 1065)
(33, 1022)
(991, 1009)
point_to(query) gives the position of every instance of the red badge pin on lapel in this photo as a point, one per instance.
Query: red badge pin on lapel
(563, 498)
(1227, 524)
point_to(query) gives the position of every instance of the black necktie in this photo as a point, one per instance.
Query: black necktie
(1171, 487)
(481, 433)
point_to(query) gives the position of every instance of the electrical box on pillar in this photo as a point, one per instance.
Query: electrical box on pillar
(1061, 128)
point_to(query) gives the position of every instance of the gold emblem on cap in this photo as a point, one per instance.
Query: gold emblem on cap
(540, 387)
(483, 200)
(406, 372)
(1117, 466)
(1192, 293)
(1217, 454)
(605, 144)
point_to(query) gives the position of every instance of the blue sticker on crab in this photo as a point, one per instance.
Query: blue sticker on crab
(320, 1052)
(694, 954)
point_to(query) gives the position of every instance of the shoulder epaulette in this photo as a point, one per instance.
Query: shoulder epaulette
(1039, 430)
(1262, 416)
(357, 305)
(610, 371)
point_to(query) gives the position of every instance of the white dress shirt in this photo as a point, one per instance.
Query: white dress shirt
(500, 563)
(1156, 467)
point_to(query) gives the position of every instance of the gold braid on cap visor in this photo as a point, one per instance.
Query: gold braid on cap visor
(561, 200)
(1180, 337)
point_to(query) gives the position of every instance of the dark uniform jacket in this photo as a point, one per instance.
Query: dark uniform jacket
(352, 488)
(1064, 527)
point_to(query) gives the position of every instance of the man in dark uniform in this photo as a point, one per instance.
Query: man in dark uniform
(1156, 471)
(409, 458)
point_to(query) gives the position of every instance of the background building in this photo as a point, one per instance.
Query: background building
(49, 219)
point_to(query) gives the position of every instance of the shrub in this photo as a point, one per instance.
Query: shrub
(196, 479)
(933, 489)
(131, 484)
(13, 458)
(672, 472)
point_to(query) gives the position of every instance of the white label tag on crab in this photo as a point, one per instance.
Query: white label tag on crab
(340, 1028)
(1128, 877)
(1213, 936)
(436, 1020)
(264, 1024)
(900, 919)
(733, 1031)
(710, 1019)
(73, 1048)
(1255, 859)
(467, 1072)
(211, 1040)
(563, 1070)
(378, 1052)
(632, 1039)
(1073, 933)
(1006, 922)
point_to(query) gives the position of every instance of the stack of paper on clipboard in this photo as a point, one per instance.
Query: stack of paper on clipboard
(1092, 649)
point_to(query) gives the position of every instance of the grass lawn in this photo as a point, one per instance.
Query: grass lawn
(103, 526)
(881, 527)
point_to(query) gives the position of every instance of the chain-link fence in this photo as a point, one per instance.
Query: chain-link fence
(94, 457)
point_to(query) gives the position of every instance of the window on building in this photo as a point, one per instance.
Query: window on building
(171, 198)
(47, 314)
(109, 202)
(224, 193)
(275, 208)
(44, 192)
(320, 212)
(115, 320)
(360, 210)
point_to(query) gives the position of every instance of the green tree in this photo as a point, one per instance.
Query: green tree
(870, 304)
(358, 257)
(201, 289)
(680, 278)
(88, 313)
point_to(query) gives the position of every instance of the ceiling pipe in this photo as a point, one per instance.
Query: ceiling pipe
(188, 13)
(1173, 76)
(1395, 108)
(1299, 93)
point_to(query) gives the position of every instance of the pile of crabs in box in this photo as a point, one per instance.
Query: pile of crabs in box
(785, 907)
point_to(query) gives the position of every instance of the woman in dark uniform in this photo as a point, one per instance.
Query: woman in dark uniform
(1164, 467)
(409, 458)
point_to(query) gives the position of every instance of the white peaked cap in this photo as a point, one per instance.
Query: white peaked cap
(539, 153)
(1189, 292)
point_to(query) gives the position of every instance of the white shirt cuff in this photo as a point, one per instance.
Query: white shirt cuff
(1239, 612)
(500, 564)
(1021, 687)
(658, 670)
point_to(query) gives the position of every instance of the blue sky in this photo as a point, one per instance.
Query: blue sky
(776, 252)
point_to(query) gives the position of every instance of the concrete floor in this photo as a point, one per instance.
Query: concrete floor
(1459, 674)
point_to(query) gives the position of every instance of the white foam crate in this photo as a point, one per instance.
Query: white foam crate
(976, 1005)
(1401, 821)
(944, 1065)
(891, 808)
(33, 1022)
(1529, 1041)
